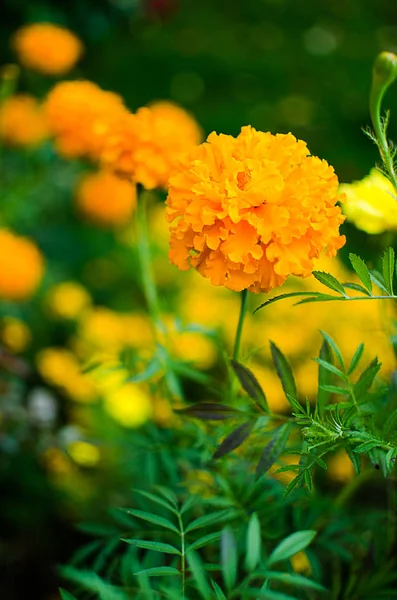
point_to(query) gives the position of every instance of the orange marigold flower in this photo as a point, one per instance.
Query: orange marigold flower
(81, 116)
(147, 145)
(106, 198)
(21, 266)
(22, 121)
(47, 48)
(247, 212)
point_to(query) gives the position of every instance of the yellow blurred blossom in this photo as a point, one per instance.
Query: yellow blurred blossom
(137, 330)
(300, 563)
(84, 453)
(106, 199)
(200, 482)
(68, 300)
(340, 468)
(14, 334)
(196, 347)
(21, 266)
(59, 367)
(102, 329)
(371, 203)
(130, 405)
(47, 48)
(56, 461)
(22, 121)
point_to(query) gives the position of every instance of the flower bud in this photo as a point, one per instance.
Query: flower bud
(385, 69)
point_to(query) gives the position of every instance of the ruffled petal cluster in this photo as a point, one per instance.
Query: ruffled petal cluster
(22, 122)
(47, 48)
(106, 199)
(81, 117)
(371, 204)
(247, 212)
(146, 145)
(21, 266)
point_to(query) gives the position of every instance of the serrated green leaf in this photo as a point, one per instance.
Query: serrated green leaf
(356, 359)
(324, 378)
(388, 264)
(330, 367)
(355, 459)
(66, 595)
(210, 411)
(285, 296)
(357, 287)
(378, 280)
(160, 501)
(207, 520)
(335, 389)
(391, 459)
(199, 574)
(362, 271)
(229, 558)
(329, 281)
(218, 592)
(295, 579)
(322, 298)
(366, 447)
(167, 494)
(367, 377)
(251, 385)
(283, 371)
(156, 546)
(203, 541)
(291, 545)
(234, 439)
(152, 518)
(158, 572)
(253, 544)
(273, 449)
(333, 346)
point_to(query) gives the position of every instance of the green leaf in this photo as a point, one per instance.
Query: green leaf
(357, 287)
(330, 367)
(291, 545)
(210, 519)
(152, 368)
(199, 575)
(273, 449)
(324, 378)
(356, 359)
(334, 347)
(355, 459)
(203, 541)
(156, 500)
(367, 377)
(388, 261)
(229, 558)
(329, 281)
(367, 446)
(151, 518)
(158, 572)
(322, 298)
(362, 271)
(377, 278)
(234, 439)
(218, 592)
(156, 546)
(335, 389)
(283, 371)
(209, 411)
(66, 595)
(295, 579)
(285, 296)
(391, 459)
(251, 385)
(253, 543)
(268, 595)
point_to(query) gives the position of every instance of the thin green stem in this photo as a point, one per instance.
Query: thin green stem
(183, 556)
(376, 97)
(239, 331)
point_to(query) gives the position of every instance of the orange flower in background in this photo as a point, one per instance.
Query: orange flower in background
(47, 48)
(22, 121)
(81, 116)
(21, 266)
(147, 145)
(247, 212)
(106, 199)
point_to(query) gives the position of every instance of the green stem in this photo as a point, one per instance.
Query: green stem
(183, 558)
(243, 309)
(376, 98)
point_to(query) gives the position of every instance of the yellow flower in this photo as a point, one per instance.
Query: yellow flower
(21, 266)
(340, 468)
(102, 329)
(81, 116)
(194, 346)
(148, 144)
(129, 405)
(137, 330)
(47, 48)
(68, 300)
(300, 563)
(15, 334)
(83, 453)
(59, 367)
(247, 212)
(371, 203)
(106, 199)
(22, 121)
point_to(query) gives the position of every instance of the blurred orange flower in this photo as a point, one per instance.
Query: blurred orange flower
(21, 266)
(47, 48)
(247, 212)
(147, 145)
(22, 121)
(106, 198)
(81, 116)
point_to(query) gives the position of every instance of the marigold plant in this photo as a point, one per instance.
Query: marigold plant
(22, 121)
(47, 48)
(21, 266)
(105, 198)
(247, 212)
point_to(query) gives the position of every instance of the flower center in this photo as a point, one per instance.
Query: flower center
(243, 177)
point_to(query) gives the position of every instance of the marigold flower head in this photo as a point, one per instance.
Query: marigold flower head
(81, 116)
(22, 121)
(60, 367)
(21, 266)
(68, 300)
(106, 199)
(47, 48)
(247, 212)
(371, 203)
(147, 145)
